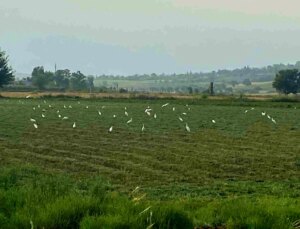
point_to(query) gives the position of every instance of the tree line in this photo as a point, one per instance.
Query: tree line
(287, 80)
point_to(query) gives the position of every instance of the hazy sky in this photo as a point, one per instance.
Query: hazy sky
(145, 36)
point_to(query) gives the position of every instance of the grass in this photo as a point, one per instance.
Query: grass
(242, 172)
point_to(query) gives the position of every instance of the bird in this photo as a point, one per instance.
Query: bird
(50, 106)
(129, 121)
(155, 116)
(164, 105)
(35, 125)
(143, 127)
(43, 116)
(110, 129)
(213, 121)
(246, 111)
(59, 116)
(184, 113)
(57, 111)
(103, 107)
(99, 112)
(28, 96)
(70, 106)
(148, 113)
(32, 120)
(114, 116)
(39, 106)
(268, 116)
(125, 108)
(74, 125)
(187, 128)
(87, 107)
(65, 118)
(65, 106)
(126, 113)
(180, 119)
(252, 108)
(33, 108)
(173, 108)
(273, 120)
(263, 113)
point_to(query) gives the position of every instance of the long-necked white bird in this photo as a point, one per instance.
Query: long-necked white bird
(35, 125)
(129, 121)
(143, 128)
(164, 105)
(187, 128)
(126, 114)
(110, 129)
(273, 120)
(65, 118)
(43, 116)
(180, 119)
(184, 113)
(74, 125)
(263, 113)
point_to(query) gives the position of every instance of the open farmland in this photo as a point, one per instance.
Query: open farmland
(232, 150)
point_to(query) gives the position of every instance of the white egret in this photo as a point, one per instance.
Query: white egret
(252, 108)
(143, 127)
(28, 96)
(180, 119)
(110, 129)
(213, 121)
(246, 111)
(87, 107)
(129, 121)
(184, 113)
(33, 108)
(263, 113)
(268, 116)
(187, 128)
(57, 111)
(148, 113)
(114, 116)
(173, 108)
(43, 116)
(74, 125)
(59, 116)
(65, 106)
(32, 120)
(35, 125)
(99, 112)
(50, 106)
(65, 118)
(273, 120)
(164, 105)
(155, 116)
(126, 113)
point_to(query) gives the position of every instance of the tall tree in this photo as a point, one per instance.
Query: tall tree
(78, 81)
(40, 78)
(6, 72)
(287, 81)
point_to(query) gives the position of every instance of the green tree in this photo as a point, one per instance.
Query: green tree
(6, 72)
(78, 81)
(287, 81)
(38, 77)
(62, 78)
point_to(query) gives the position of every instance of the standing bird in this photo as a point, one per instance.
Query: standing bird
(173, 108)
(126, 114)
(43, 116)
(184, 113)
(155, 116)
(187, 128)
(129, 121)
(74, 125)
(213, 121)
(35, 125)
(143, 128)
(32, 120)
(110, 129)
(181, 120)
(164, 105)
(99, 112)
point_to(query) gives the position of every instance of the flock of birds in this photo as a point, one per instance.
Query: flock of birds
(148, 111)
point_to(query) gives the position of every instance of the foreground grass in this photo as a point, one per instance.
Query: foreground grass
(32, 198)
(241, 172)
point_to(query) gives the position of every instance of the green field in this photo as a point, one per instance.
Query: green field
(238, 171)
